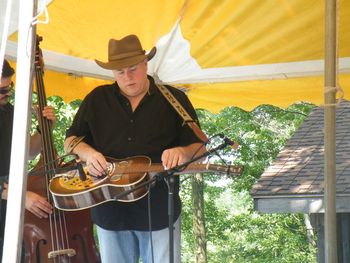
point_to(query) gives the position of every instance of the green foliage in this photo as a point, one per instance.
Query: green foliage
(261, 238)
(64, 114)
(261, 134)
(235, 232)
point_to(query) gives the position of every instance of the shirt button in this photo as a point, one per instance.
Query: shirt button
(129, 139)
(131, 121)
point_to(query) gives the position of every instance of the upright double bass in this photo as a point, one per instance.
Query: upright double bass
(63, 236)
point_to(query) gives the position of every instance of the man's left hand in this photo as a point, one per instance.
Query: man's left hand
(173, 157)
(48, 112)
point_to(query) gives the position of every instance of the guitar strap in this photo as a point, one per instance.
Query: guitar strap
(183, 113)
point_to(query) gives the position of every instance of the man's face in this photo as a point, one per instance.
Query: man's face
(6, 86)
(133, 80)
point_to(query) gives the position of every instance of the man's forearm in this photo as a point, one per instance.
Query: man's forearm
(34, 145)
(194, 149)
(74, 144)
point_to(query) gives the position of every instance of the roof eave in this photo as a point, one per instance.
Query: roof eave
(298, 204)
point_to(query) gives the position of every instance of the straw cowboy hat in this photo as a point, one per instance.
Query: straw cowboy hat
(125, 52)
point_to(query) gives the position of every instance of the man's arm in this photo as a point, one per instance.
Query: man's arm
(35, 139)
(95, 161)
(35, 145)
(181, 154)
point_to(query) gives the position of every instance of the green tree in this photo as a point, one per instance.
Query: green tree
(65, 113)
(235, 232)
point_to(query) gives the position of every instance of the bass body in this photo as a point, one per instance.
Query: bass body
(63, 237)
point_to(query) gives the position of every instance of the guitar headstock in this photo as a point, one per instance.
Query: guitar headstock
(235, 170)
(230, 170)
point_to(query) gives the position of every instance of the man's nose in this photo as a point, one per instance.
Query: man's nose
(128, 74)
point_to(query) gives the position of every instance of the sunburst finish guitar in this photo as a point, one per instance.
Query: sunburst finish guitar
(70, 192)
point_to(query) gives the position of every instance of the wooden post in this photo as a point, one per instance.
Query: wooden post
(199, 219)
(329, 132)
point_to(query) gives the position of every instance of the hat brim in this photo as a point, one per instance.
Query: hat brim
(127, 62)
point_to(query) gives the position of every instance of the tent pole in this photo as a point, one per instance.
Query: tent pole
(329, 132)
(20, 135)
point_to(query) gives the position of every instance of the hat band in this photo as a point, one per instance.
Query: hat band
(126, 55)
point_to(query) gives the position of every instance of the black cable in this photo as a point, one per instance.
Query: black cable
(203, 144)
(39, 169)
(216, 152)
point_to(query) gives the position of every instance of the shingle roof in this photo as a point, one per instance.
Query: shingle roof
(298, 170)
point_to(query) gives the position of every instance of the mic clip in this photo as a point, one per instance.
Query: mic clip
(82, 174)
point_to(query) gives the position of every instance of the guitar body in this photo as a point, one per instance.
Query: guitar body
(71, 193)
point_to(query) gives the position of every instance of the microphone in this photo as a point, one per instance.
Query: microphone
(234, 145)
(82, 174)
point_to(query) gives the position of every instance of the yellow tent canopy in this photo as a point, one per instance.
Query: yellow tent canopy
(225, 53)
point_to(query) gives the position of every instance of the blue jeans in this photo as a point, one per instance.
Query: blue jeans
(127, 246)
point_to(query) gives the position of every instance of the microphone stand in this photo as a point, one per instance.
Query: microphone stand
(168, 176)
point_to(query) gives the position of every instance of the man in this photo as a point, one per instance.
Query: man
(127, 118)
(35, 203)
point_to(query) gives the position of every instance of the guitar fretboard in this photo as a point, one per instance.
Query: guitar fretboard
(121, 168)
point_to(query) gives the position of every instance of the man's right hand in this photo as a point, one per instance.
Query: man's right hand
(96, 164)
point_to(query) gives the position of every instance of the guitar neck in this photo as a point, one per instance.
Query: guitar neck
(191, 168)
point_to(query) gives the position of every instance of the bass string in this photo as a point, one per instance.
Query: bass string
(58, 226)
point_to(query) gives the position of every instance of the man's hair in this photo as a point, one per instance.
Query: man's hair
(7, 70)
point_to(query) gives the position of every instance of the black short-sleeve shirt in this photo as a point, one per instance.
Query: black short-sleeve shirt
(109, 125)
